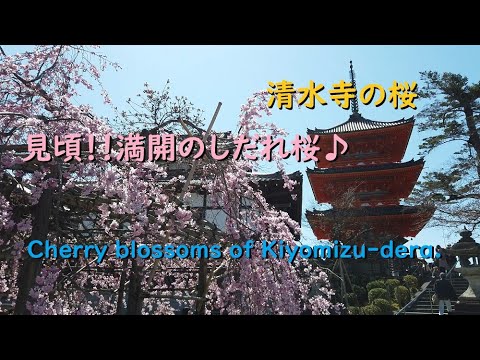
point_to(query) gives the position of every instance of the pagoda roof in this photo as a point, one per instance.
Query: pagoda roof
(397, 220)
(362, 168)
(357, 122)
(371, 211)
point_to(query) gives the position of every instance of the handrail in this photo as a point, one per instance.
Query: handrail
(427, 288)
(451, 269)
(404, 309)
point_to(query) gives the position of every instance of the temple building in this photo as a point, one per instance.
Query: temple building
(365, 187)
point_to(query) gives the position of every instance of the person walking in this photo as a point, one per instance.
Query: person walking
(445, 293)
(442, 261)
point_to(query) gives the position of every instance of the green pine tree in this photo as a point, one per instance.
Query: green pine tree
(452, 116)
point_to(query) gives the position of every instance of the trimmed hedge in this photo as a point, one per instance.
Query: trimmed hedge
(384, 306)
(395, 306)
(355, 310)
(410, 281)
(375, 284)
(377, 293)
(402, 295)
(371, 309)
(391, 284)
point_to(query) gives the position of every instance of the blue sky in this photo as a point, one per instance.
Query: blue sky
(230, 74)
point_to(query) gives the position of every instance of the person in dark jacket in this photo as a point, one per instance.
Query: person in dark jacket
(445, 292)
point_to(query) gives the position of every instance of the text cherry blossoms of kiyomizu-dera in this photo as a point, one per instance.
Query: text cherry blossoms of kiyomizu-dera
(400, 95)
(166, 148)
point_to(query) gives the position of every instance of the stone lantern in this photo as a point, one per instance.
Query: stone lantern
(468, 252)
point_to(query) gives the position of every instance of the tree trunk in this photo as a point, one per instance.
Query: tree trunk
(201, 287)
(121, 288)
(474, 136)
(135, 299)
(31, 267)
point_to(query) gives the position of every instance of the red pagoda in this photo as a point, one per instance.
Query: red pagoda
(365, 186)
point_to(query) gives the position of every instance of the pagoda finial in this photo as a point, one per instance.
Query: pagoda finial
(354, 84)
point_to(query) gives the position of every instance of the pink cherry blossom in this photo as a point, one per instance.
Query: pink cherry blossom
(102, 201)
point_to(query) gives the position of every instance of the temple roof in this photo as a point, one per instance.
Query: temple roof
(358, 123)
(261, 177)
(372, 211)
(362, 168)
(277, 176)
(224, 139)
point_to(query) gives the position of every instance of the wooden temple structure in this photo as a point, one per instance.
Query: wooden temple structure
(365, 187)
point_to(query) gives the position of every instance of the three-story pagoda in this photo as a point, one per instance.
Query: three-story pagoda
(373, 173)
